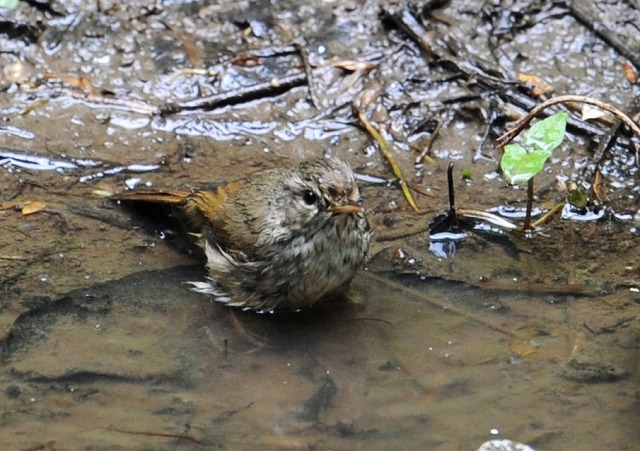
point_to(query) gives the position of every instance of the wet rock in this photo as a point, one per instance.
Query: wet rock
(111, 332)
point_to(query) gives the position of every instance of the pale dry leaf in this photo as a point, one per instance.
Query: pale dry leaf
(31, 207)
(591, 112)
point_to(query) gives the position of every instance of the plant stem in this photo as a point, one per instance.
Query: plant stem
(522, 123)
(527, 217)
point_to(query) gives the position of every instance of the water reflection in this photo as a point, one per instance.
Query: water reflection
(42, 163)
(402, 363)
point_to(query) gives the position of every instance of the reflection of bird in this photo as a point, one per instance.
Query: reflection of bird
(278, 239)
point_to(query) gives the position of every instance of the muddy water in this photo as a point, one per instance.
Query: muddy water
(440, 345)
(142, 363)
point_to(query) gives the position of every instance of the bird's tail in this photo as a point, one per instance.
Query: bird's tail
(166, 197)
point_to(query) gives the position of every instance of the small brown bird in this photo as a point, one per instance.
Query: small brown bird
(279, 239)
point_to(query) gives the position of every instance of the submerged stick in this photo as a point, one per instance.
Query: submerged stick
(442, 304)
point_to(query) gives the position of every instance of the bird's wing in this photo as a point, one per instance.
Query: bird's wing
(221, 220)
(210, 203)
(204, 210)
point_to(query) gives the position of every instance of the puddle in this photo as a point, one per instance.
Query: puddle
(142, 362)
(445, 342)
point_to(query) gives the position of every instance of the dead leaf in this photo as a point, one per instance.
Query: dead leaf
(8, 205)
(539, 86)
(523, 349)
(630, 72)
(75, 82)
(31, 207)
(27, 207)
(591, 112)
(597, 186)
(102, 193)
(369, 95)
(353, 65)
(246, 61)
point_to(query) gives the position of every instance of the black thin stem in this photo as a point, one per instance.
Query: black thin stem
(527, 218)
(452, 196)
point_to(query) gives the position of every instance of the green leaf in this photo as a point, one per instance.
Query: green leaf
(8, 4)
(546, 134)
(518, 166)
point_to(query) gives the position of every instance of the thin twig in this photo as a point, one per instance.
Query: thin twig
(384, 148)
(527, 217)
(156, 434)
(424, 155)
(540, 289)
(522, 123)
(308, 70)
(271, 88)
(404, 233)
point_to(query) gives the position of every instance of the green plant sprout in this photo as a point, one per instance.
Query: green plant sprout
(522, 162)
(8, 4)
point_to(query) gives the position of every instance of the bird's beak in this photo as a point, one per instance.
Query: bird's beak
(346, 209)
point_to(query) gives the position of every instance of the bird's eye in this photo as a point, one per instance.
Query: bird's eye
(309, 197)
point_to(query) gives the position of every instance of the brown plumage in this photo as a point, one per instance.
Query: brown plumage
(279, 238)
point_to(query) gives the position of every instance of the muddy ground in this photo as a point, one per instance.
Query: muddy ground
(441, 345)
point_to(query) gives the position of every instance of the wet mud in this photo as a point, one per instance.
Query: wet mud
(441, 343)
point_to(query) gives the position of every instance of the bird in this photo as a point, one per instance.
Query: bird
(279, 239)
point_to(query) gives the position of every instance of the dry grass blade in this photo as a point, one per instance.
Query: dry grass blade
(12, 257)
(548, 215)
(384, 148)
